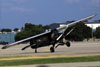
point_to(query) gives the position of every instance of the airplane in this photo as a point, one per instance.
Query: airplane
(53, 37)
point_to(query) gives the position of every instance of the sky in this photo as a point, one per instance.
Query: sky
(15, 13)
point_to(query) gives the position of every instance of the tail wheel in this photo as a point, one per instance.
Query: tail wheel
(68, 44)
(52, 49)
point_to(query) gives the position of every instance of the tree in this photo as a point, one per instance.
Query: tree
(46, 27)
(97, 33)
(16, 29)
(80, 32)
(6, 30)
(30, 30)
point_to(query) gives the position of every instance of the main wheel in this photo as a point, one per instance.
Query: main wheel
(52, 49)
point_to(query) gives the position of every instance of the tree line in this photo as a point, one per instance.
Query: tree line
(97, 33)
(8, 30)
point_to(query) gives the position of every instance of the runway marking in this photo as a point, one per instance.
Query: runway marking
(32, 57)
(41, 57)
(47, 49)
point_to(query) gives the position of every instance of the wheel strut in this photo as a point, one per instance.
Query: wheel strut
(35, 50)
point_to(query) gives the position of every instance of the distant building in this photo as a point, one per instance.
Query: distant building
(93, 25)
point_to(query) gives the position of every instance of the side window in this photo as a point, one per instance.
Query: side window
(45, 38)
(56, 32)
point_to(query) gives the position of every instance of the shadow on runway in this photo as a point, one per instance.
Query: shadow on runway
(42, 66)
(31, 53)
(40, 52)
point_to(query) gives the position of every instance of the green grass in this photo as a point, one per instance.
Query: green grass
(49, 60)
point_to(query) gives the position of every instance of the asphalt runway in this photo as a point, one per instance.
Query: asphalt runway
(76, 49)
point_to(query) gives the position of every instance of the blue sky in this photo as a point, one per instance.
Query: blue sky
(15, 13)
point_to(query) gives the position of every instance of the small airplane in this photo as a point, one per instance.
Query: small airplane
(53, 37)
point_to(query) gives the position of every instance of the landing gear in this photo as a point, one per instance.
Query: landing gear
(52, 49)
(68, 44)
(35, 50)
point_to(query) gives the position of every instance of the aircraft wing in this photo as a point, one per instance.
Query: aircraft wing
(79, 21)
(71, 24)
(26, 39)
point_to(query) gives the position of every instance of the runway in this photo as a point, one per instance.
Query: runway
(76, 49)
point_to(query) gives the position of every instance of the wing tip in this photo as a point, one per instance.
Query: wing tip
(94, 15)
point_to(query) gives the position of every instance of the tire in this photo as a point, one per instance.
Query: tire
(52, 49)
(68, 44)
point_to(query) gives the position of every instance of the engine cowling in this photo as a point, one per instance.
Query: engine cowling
(68, 44)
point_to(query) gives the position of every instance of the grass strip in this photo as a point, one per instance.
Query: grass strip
(49, 60)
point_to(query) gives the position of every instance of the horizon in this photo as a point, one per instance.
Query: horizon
(91, 22)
